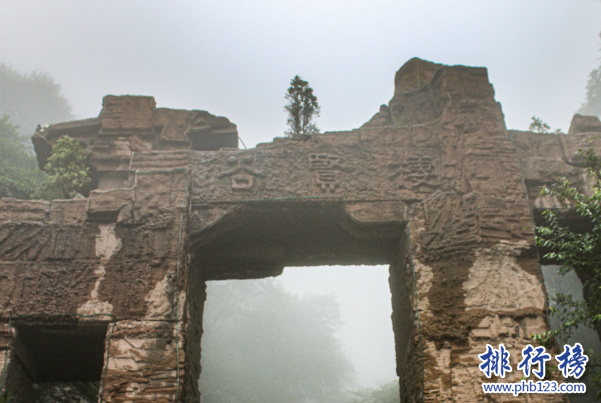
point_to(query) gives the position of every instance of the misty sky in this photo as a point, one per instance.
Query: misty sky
(365, 307)
(236, 58)
(364, 297)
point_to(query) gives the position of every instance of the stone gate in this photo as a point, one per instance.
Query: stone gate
(111, 287)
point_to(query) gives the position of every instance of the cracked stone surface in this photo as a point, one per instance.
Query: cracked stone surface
(434, 185)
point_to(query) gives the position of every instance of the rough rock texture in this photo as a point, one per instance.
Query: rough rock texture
(74, 392)
(585, 124)
(433, 185)
(133, 124)
(114, 259)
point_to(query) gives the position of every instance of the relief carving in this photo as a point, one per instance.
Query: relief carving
(326, 167)
(417, 173)
(243, 175)
(60, 244)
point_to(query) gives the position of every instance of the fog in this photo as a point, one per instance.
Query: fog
(365, 307)
(311, 333)
(236, 58)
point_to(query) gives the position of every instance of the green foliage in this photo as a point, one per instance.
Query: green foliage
(592, 105)
(6, 397)
(302, 108)
(537, 125)
(387, 393)
(67, 168)
(576, 251)
(19, 175)
(31, 99)
(65, 392)
(262, 344)
(400, 121)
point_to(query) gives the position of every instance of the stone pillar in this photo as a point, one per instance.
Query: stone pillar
(5, 354)
(477, 279)
(16, 366)
(145, 362)
(484, 296)
(195, 300)
(406, 322)
(146, 350)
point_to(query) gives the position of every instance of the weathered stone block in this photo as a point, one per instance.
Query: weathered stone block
(432, 185)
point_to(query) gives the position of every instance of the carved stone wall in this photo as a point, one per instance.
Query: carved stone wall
(433, 185)
(112, 259)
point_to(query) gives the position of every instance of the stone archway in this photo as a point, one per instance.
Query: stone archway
(257, 239)
(432, 185)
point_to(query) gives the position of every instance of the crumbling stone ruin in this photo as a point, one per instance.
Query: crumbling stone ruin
(111, 287)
